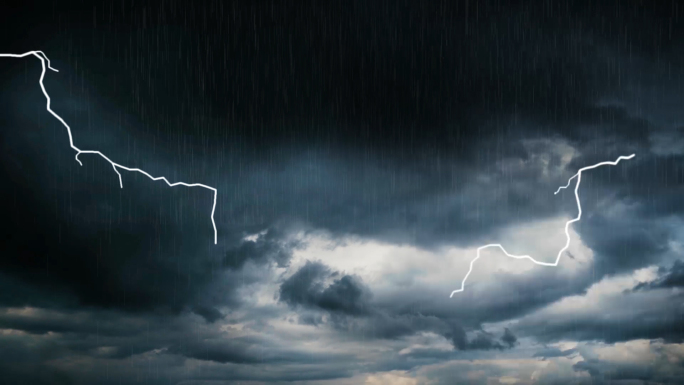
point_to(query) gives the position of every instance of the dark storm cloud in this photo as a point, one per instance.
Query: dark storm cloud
(305, 285)
(126, 335)
(269, 246)
(626, 242)
(88, 331)
(79, 239)
(399, 192)
(210, 314)
(370, 118)
(347, 300)
(117, 341)
(482, 341)
(652, 324)
(393, 326)
(19, 360)
(666, 142)
(509, 338)
(247, 350)
(332, 63)
(657, 187)
(364, 92)
(629, 211)
(347, 294)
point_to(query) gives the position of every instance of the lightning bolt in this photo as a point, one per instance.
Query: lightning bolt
(44, 59)
(567, 225)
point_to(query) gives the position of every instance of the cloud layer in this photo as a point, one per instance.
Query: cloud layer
(362, 152)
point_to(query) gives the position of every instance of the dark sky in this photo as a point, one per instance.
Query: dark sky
(362, 151)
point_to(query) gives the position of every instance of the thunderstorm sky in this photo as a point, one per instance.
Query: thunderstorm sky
(362, 152)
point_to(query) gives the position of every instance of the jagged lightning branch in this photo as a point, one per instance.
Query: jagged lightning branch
(43, 59)
(567, 225)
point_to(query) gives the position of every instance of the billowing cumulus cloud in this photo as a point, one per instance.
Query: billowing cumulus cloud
(346, 294)
(611, 311)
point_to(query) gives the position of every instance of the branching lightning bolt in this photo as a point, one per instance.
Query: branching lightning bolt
(567, 225)
(44, 59)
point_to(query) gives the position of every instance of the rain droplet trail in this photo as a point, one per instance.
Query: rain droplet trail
(567, 225)
(44, 59)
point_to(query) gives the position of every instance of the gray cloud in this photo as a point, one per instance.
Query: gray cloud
(554, 352)
(268, 246)
(346, 295)
(621, 315)
(349, 303)
(609, 372)
(674, 277)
